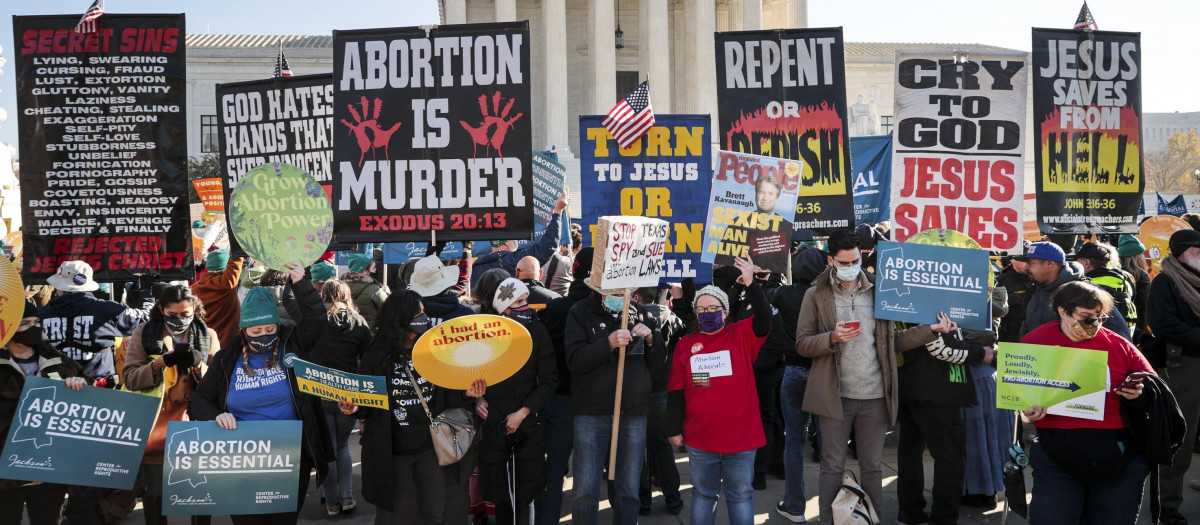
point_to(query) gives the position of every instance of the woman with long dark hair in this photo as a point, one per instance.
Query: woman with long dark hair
(166, 357)
(397, 450)
(248, 382)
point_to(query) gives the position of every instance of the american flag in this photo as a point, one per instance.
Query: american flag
(631, 118)
(281, 66)
(87, 24)
(1085, 20)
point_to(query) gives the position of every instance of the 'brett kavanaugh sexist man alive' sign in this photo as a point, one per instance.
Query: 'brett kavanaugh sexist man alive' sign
(433, 133)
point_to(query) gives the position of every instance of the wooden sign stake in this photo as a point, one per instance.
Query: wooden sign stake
(612, 445)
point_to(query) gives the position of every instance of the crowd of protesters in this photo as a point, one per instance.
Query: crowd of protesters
(805, 349)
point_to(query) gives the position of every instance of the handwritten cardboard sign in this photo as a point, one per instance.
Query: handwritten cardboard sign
(629, 252)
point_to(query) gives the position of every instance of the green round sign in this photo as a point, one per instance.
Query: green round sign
(279, 214)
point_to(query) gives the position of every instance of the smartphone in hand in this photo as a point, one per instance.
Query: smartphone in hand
(1132, 380)
(851, 325)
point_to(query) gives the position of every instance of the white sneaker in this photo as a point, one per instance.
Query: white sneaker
(794, 518)
(348, 504)
(333, 510)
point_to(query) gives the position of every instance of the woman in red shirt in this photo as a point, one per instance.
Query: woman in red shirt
(712, 399)
(1086, 471)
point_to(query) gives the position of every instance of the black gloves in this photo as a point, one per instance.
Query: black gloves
(179, 358)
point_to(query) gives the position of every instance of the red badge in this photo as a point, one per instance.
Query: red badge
(696, 348)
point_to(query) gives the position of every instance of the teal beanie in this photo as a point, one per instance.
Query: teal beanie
(1128, 246)
(359, 262)
(322, 272)
(217, 260)
(259, 308)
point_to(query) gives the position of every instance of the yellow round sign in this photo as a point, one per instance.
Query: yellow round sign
(951, 239)
(12, 300)
(457, 352)
(1156, 235)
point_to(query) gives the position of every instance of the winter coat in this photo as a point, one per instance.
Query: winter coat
(787, 300)
(342, 342)
(218, 292)
(554, 318)
(531, 386)
(1039, 312)
(51, 365)
(444, 307)
(557, 273)
(1019, 289)
(539, 295)
(541, 250)
(208, 400)
(368, 295)
(939, 371)
(818, 318)
(672, 329)
(593, 364)
(1170, 318)
(85, 329)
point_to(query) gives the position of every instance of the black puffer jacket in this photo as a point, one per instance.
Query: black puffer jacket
(1020, 289)
(593, 363)
(787, 300)
(531, 386)
(554, 318)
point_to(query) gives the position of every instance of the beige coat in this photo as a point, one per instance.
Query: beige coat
(818, 318)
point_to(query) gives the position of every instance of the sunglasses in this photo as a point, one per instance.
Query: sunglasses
(1093, 321)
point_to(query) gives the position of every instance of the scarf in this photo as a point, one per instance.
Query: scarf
(1185, 280)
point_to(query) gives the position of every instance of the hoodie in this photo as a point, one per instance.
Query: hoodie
(1039, 312)
(807, 265)
(342, 342)
(85, 329)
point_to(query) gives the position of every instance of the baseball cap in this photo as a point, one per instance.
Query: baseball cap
(1043, 250)
(1091, 251)
(1182, 240)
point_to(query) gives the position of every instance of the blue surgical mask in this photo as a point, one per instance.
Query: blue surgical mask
(848, 273)
(613, 304)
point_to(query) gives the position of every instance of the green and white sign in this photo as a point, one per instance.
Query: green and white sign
(208, 470)
(1068, 381)
(94, 437)
(279, 214)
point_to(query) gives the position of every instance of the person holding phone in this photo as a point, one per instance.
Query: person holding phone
(1086, 471)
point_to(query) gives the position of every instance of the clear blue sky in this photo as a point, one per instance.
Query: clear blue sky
(1168, 28)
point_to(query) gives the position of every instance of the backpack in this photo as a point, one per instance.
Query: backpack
(852, 506)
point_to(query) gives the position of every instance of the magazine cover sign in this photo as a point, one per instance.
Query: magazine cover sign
(1087, 110)
(433, 132)
(782, 93)
(959, 151)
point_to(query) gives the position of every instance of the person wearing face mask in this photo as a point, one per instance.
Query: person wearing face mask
(1173, 316)
(28, 354)
(247, 380)
(710, 390)
(166, 357)
(398, 459)
(514, 438)
(1088, 471)
(852, 383)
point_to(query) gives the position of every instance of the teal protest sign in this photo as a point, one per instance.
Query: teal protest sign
(336, 385)
(914, 282)
(94, 437)
(254, 469)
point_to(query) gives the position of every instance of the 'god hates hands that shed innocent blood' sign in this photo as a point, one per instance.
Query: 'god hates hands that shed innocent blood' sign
(629, 252)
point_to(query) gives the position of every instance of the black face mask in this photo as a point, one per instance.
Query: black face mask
(263, 343)
(179, 324)
(524, 315)
(419, 324)
(30, 337)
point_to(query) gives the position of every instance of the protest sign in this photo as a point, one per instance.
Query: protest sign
(1176, 206)
(12, 300)
(747, 208)
(209, 470)
(1087, 111)
(915, 282)
(549, 182)
(458, 351)
(14, 246)
(94, 437)
(336, 385)
(628, 253)
(398, 252)
(448, 152)
(280, 215)
(666, 174)
(1067, 381)
(872, 178)
(782, 93)
(1155, 235)
(959, 146)
(209, 191)
(103, 125)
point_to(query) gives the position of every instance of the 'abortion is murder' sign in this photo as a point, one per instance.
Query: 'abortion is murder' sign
(438, 125)
(782, 93)
(1087, 111)
(103, 125)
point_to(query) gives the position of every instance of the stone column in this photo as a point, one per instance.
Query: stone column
(555, 120)
(736, 12)
(455, 11)
(722, 16)
(603, 54)
(506, 10)
(798, 14)
(752, 12)
(654, 52)
(701, 85)
(679, 45)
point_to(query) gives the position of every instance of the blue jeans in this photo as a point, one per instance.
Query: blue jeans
(711, 470)
(339, 484)
(1060, 497)
(591, 457)
(560, 435)
(660, 455)
(795, 421)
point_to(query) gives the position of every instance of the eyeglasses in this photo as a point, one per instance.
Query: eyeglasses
(1093, 321)
(709, 309)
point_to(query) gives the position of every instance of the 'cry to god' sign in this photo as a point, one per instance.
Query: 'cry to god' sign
(279, 214)
(629, 252)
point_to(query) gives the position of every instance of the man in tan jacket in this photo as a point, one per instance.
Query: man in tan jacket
(852, 384)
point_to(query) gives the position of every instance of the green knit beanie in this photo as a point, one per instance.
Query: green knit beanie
(217, 260)
(1128, 246)
(322, 272)
(359, 262)
(258, 308)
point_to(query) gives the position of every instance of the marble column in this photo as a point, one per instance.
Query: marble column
(654, 52)
(752, 11)
(798, 13)
(603, 53)
(700, 18)
(555, 118)
(679, 44)
(506, 10)
(722, 16)
(735, 15)
(455, 11)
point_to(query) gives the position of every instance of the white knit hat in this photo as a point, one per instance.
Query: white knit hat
(715, 292)
(507, 293)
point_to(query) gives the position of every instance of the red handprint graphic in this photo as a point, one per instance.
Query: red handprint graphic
(378, 138)
(484, 134)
